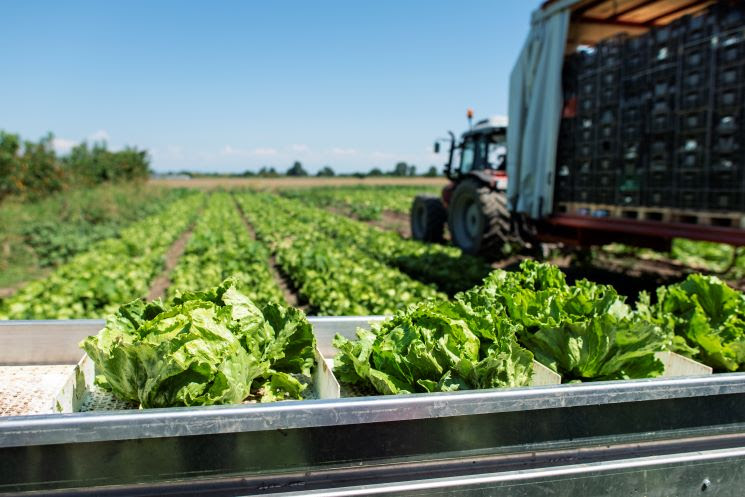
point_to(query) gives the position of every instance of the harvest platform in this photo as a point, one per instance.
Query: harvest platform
(656, 437)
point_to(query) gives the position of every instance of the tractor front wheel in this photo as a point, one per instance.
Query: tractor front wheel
(479, 219)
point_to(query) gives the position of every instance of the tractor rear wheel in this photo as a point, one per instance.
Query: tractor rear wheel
(428, 217)
(479, 219)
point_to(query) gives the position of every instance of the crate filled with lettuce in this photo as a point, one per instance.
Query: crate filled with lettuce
(205, 348)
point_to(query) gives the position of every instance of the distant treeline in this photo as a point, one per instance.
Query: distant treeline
(33, 169)
(297, 169)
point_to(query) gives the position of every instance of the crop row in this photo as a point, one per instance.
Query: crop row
(221, 247)
(117, 270)
(444, 266)
(335, 278)
(363, 202)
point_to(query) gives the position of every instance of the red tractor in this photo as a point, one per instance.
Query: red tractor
(474, 203)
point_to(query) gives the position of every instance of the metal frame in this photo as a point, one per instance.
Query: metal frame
(514, 440)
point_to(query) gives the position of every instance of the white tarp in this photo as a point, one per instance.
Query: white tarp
(534, 115)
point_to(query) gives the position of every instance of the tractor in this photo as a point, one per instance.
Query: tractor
(474, 203)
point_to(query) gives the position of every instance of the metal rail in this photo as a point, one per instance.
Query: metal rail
(567, 439)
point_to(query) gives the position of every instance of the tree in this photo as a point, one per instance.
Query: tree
(248, 173)
(412, 170)
(268, 172)
(432, 172)
(297, 170)
(375, 172)
(401, 169)
(326, 171)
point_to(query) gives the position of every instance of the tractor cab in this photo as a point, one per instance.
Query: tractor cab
(482, 152)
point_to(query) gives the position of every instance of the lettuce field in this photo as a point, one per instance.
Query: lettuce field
(338, 251)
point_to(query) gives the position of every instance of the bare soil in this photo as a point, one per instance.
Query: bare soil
(289, 292)
(163, 281)
(280, 183)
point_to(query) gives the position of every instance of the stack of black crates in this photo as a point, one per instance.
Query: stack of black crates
(658, 120)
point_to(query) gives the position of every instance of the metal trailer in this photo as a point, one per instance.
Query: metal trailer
(557, 28)
(679, 436)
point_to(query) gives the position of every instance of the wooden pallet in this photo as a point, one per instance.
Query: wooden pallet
(662, 214)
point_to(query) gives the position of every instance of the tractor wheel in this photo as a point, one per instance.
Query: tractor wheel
(479, 219)
(428, 217)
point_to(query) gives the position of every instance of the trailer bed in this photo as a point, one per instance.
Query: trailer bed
(670, 436)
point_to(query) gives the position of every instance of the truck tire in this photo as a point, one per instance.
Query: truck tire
(428, 217)
(479, 219)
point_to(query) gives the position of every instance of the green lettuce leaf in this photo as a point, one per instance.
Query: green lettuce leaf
(205, 348)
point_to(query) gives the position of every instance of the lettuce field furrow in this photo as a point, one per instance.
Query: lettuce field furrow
(335, 278)
(221, 247)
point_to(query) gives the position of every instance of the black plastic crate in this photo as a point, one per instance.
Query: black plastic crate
(628, 198)
(610, 76)
(657, 197)
(699, 27)
(696, 56)
(722, 200)
(606, 180)
(606, 163)
(726, 144)
(730, 76)
(728, 123)
(630, 182)
(690, 199)
(661, 122)
(665, 41)
(636, 57)
(660, 154)
(586, 61)
(693, 122)
(635, 88)
(725, 180)
(690, 151)
(610, 51)
(690, 179)
(695, 78)
(727, 162)
(609, 94)
(584, 165)
(663, 82)
(605, 196)
(658, 179)
(607, 132)
(584, 180)
(583, 195)
(693, 99)
(607, 148)
(587, 105)
(632, 131)
(730, 49)
(585, 135)
(729, 98)
(587, 86)
(585, 149)
(730, 15)
(633, 113)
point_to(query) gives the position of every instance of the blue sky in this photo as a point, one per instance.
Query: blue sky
(229, 86)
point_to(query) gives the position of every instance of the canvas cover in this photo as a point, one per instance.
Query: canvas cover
(535, 105)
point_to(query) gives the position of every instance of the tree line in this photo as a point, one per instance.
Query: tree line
(33, 169)
(297, 170)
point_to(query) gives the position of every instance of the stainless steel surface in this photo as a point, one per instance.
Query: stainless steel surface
(345, 443)
(716, 472)
(56, 342)
(44, 342)
(174, 422)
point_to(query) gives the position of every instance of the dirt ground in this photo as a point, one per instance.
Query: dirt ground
(163, 281)
(306, 182)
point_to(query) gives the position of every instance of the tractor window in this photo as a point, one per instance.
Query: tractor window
(466, 157)
(497, 157)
